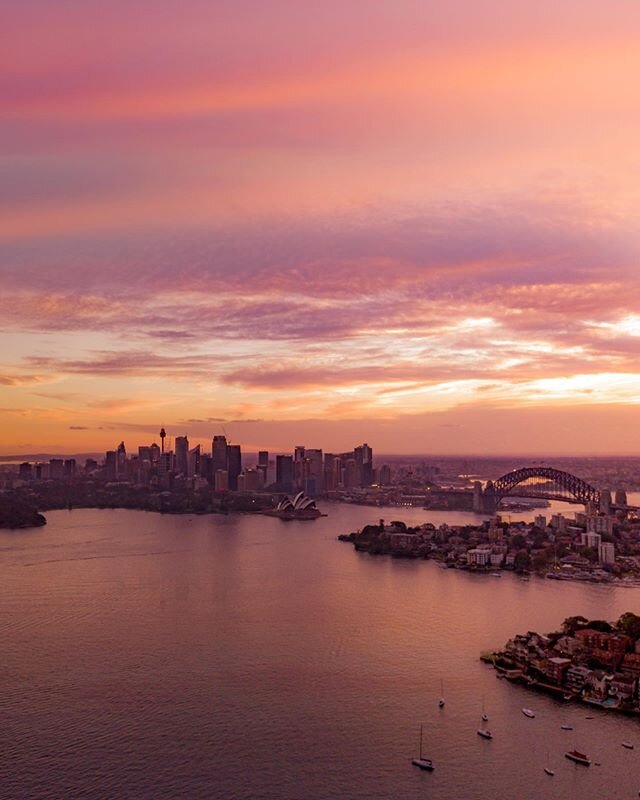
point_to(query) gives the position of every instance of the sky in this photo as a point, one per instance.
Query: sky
(406, 222)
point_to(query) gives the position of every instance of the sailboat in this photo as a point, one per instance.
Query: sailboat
(423, 763)
(441, 700)
(485, 716)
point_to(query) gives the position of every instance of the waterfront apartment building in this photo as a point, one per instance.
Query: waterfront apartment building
(607, 553)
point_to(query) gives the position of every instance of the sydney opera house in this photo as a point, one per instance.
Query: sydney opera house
(301, 507)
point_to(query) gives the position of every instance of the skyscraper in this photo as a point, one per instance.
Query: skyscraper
(363, 456)
(314, 472)
(219, 453)
(193, 461)
(182, 455)
(121, 459)
(284, 473)
(234, 465)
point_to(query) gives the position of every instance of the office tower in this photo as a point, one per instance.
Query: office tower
(221, 483)
(193, 462)
(219, 453)
(313, 472)
(331, 463)
(25, 472)
(110, 468)
(284, 473)
(154, 453)
(121, 458)
(263, 458)
(206, 467)
(351, 476)
(363, 456)
(298, 467)
(90, 465)
(56, 468)
(234, 465)
(69, 467)
(166, 463)
(250, 480)
(384, 475)
(42, 472)
(144, 453)
(182, 455)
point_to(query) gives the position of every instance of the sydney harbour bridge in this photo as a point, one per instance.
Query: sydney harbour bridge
(544, 483)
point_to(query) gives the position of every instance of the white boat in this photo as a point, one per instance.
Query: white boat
(566, 727)
(528, 713)
(628, 745)
(548, 769)
(421, 762)
(497, 574)
(485, 716)
(486, 734)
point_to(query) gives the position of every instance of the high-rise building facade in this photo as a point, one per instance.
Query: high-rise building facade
(234, 465)
(219, 453)
(182, 455)
(284, 473)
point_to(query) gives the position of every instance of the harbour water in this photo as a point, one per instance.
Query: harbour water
(150, 656)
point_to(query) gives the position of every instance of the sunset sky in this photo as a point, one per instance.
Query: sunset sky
(407, 222)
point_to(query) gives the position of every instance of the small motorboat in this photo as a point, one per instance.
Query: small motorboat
(441, 700)
(549, 771)
(628, 745)
(485, 717)
(421, 761)
(497, 574)
(578, 757)
(528, 713)
(486, 734)
(566, 727)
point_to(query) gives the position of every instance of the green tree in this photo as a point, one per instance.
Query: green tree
(522, 561)
(629, 623)
(518, 541)
(572, 624)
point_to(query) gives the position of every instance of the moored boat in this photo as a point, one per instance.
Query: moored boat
(578, 757)
(567, 727)
(528, 713)
(549, 771)
(421, 761)
(628, 745)
(486, 734)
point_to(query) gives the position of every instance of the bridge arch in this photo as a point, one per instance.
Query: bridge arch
(580, 490)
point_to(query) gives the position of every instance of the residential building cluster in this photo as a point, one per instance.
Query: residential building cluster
(558, 547)
(595, 662)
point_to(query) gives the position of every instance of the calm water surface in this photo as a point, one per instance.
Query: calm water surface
(149, 656)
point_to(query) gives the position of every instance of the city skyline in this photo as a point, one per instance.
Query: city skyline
(412, 224)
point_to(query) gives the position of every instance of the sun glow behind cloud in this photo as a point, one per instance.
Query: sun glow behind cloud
(367, 213)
